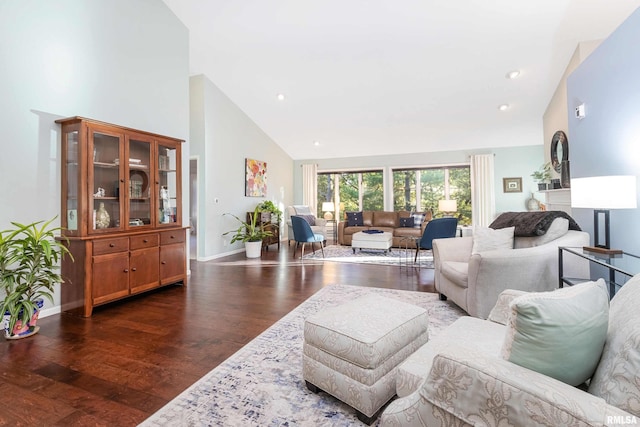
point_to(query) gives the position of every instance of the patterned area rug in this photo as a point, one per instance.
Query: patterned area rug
(262, 385)
(397, 256)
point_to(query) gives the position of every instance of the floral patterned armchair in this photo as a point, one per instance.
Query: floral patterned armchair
(459, 380)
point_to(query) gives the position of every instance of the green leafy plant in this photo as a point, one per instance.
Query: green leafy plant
(248, 231)
(543, 174)
(29, 267)
(269, 206)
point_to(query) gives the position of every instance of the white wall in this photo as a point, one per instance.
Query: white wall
(607, 140)
(116, 61)
(509, 162)
(222, 137)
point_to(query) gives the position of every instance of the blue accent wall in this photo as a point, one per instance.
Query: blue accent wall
(607, 140)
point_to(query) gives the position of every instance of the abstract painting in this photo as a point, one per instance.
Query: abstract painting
(255, 178)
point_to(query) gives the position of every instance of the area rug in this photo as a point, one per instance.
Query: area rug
(397, 256)
(262, 385)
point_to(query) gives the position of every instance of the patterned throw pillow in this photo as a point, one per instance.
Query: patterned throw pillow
(354, 219)
(418, 219)
(309, 218)
(406, 222)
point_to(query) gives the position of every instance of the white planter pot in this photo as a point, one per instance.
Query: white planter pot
(253, 249)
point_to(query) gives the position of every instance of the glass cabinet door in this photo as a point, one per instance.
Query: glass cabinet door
(71, 181)
(105, 180)
(138, 171)
(168, 184)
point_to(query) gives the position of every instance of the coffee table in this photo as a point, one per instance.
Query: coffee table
(364, 240)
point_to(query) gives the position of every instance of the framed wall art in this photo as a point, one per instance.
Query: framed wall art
(255, 178)
(512, 185)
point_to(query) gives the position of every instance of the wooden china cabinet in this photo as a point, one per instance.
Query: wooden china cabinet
(121, 213)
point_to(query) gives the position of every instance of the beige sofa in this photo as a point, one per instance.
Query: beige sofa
(459, 378)
(385, 221)
(474, 280)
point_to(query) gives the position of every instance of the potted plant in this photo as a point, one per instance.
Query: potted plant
(269, 206)
(251, 233)
(542, 176)
(29, 264)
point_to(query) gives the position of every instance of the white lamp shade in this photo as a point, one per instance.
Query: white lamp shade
(447, 205)
(604, 192)
(328, 207)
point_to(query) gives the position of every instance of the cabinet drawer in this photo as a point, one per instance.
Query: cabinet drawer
(169, 237)
(109, 246)
(144, 241)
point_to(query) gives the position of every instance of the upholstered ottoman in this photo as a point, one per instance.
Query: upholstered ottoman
(364, 240)
(351, 351)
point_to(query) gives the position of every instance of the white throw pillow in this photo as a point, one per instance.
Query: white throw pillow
(302, 210)
(561, 333)
(502, 310)
(488, 239)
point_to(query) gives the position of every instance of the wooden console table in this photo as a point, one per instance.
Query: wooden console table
(265, 223)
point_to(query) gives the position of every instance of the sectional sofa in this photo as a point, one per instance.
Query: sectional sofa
(385, 221)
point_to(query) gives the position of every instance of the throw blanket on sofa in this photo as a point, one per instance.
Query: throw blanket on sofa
(529, 224)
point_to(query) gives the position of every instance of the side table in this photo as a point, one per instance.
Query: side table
(618, 268)
(334, 229)
(407, 248)
(464, 230)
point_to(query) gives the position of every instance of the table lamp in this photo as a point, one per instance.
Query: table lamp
(328, 208)
(448, 207)
(603, 193)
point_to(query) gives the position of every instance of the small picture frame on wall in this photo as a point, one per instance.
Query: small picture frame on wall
(512, 185)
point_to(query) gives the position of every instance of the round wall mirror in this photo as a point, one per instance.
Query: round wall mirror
(559, 150)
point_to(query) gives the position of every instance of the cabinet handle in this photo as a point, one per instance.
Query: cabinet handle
(126, 270)
(133, 269)
(122, 180)
(163, 262)
(145, 241)
(173, 237)
(111, 245)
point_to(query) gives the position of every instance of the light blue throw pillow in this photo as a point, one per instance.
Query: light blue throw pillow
(561, 333)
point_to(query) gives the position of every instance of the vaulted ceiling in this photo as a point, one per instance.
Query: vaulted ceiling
(375, 77)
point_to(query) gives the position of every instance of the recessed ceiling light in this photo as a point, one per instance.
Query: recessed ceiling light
(503, 107)
(316, 143)
(280, 97)
(513, 74)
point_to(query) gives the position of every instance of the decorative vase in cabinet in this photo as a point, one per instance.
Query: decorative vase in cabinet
(102, 217)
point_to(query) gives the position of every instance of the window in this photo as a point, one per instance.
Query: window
(351, 191)
(421, 189)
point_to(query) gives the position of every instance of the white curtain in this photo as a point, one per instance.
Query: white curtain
(310, 186)
(482, 190)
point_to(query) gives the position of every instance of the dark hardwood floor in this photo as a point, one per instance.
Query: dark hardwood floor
(132, 357)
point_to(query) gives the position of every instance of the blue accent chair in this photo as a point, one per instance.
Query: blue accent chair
(302, 233)
(439, 228)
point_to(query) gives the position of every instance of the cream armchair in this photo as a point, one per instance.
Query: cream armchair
(459, 378)
(303, 210)
(474, 281)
